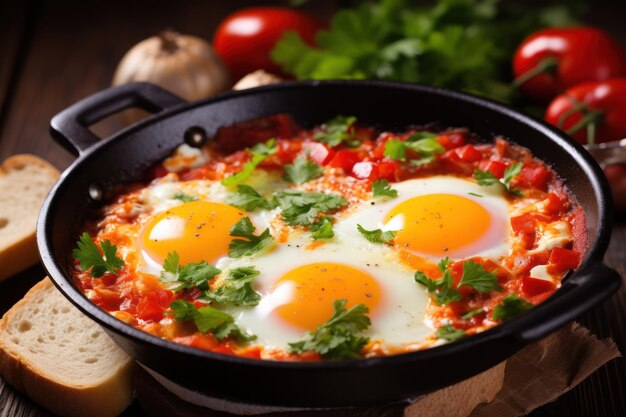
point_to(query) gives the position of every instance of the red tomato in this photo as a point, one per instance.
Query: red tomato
(468, 153)
(344, 159)
(497, 168)
(616, 174)
(555, 203)
(591, 112)
(532, 174)
(245, 39)
(562, 260)
(149, 309)
(552, 60)
(387, 170)
(534, 286)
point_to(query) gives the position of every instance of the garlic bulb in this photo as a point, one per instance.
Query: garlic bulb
(183, 64)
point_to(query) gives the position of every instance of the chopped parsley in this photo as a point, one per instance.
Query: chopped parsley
(302, 208)
(247, 198)
(486, 178)
(302, 170)
(381, 188)
(510, 307)
(338, 130)
(337, 338)
(186, 198)
(236, 288)
(443, 291)
(186, 277)
(423, 143)
(239, 247)
(377, 235)
(260, 152)
(207, 318)
(471, 313)
(449, 333)
(89, 256)
(323, 228)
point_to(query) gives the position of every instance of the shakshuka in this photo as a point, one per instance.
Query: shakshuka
(343, 241)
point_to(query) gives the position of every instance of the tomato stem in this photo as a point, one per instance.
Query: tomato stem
(590, 120)
(547, 64)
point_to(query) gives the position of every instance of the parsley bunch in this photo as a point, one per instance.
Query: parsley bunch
(337, 338)
(459, 44)
(443, 291)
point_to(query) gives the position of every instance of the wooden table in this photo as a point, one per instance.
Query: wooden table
(55, 53)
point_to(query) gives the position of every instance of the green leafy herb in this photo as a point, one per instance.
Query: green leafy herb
(377, 235)
(236, 288)
(186, 277)
(475, 195)
(449, 333)
(449, 43)
(510, 307)
(441, 289)
(89, 256)
(323, 228)
(381, 188)
(185, 197)
(471, 313)
(239, 247)
(260, 152)
(338, 130)
(486, 178)
(337, 338)
(207, 318)
(423, 143)
(247, 198)
(302, 170)
(476, 276)
(303, 208)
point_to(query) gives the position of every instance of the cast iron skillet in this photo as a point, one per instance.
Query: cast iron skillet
(126, 155)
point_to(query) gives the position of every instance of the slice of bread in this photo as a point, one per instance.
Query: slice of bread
(61, 359)
(24, 182)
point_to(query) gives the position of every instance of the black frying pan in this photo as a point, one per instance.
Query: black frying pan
(125, 156)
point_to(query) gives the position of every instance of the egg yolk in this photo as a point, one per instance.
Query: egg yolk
(198, 231)
(315, 288)
(439, 224)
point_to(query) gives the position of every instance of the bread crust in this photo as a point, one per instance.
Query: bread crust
(104, 398)
(23, 252)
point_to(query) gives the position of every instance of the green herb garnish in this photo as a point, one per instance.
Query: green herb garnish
(449, 333)
(260, 152)
(486, 178)
(510, 307)
(239, 247)
(302, 170)
(188, 276)
(381, 188)
(236, 288)
(338, 130)
(322, 229)
(377, 235)
(302, 208)
(337, 338)
(89, 256)
(247, 198)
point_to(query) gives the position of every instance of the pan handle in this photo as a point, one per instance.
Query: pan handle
(70, 127)
(582, 291)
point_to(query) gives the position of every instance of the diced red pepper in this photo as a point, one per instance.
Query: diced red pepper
(497, 168)
(525, 223)
(388, 170)
(555, 203)
(562, 260)
(149, 309)
(535, 286)
(365, 170)
(223, 348)
(344, 159)
(468, 153)
(451, 140)
(533, 175)
(286, 153)
(530, 261)
(318, 152)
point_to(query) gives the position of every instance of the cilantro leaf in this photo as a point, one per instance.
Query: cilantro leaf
(186, 277)
(471, 313)
(89, 256)
(323, 228)
(423, 143)
(477, 277)
(185, 197)
(302, 170)
(207, 318)
(337, 338)
(237, 288)
(377, 235)
(336, 131)
(449, 333)
(510, 307)
(239, 247)
(247, 198)
(302, 208)
(381, 188)
(486, 178)
(441, 289)
(260, 152)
